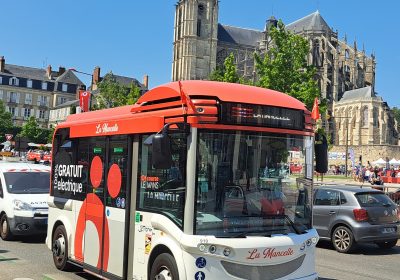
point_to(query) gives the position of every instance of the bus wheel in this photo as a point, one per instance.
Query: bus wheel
(5, 232)
(164, 268)
(60, 248)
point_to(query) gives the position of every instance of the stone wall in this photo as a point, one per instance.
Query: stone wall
(368, 152)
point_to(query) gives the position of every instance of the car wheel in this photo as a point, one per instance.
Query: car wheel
(60, 248)
(387, 244)
(5, 232)
(343, 239)
(164, 267)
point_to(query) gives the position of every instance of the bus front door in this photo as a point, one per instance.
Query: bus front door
(107, 207)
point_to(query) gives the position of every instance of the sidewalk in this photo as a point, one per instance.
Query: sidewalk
(390, 187)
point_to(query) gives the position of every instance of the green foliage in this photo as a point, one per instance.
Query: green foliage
(6, 124)
(113, 94)
(34, 133)
(228, 73)
(396, 113)
(284, 67)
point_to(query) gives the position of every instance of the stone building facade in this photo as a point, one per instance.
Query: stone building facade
(201, 44)
(363, 118)
(27, 91)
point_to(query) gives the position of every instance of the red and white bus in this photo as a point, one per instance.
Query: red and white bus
(191, 182)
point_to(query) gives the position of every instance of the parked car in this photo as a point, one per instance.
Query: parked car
(347, 215)
(24, 190)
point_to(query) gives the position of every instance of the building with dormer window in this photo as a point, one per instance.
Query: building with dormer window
(27, 91)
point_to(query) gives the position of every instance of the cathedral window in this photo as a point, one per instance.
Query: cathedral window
(198, 27)
(364, 117)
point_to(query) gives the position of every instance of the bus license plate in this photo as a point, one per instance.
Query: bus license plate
(388, 230)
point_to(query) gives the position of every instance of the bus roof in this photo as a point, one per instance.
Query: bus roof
(227, 92)
(148, 111)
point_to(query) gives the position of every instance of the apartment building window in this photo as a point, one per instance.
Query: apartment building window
(42, 100)
(42, 114)
(13, 97)
(13, 111)
(14, 81)
(1, 80)
(28, 98)
(27, 113)
(62, 100)
(29, 83)
(44, 85)
(64, 87)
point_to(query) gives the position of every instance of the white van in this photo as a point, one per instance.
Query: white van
(24, 189)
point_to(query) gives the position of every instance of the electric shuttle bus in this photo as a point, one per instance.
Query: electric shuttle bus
(191, 182)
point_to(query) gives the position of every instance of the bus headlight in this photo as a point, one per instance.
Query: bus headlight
(20, 205)
(303, 246)
(202, 247)
(212, 249)
(227, 252)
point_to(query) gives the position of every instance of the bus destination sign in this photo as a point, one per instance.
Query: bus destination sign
(258, 115)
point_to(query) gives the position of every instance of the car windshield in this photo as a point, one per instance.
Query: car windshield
(373, 199)
(27, 182)
(252, 184)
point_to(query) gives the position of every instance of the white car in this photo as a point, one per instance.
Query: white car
(24, 189)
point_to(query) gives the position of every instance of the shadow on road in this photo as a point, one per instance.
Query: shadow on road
(32, 239)
(364, 249)
(322, 278)
(3, 251)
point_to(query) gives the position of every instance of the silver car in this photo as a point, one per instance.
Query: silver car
(347, 215)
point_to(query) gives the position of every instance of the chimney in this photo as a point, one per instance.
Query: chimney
(61, 70)
(2, 63)
(48, 71)
(146, 81)
(96, 77)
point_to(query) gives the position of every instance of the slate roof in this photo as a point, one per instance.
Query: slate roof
(126, 81)
(238, 35)
(40, 74)
(25, 72)
(67, 104)
(69, 77)
(359, 94)
(312, 22)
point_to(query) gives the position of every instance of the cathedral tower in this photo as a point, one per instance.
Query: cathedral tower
(195, 39)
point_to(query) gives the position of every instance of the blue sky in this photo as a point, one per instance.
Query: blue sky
(134, 38)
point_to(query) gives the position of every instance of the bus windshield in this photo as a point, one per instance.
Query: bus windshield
(253, 184)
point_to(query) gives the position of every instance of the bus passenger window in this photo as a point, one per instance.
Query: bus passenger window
(163, 190)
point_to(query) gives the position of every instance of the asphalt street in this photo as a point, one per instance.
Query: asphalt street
(30, 259)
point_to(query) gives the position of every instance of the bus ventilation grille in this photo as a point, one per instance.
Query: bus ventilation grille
(269, 272)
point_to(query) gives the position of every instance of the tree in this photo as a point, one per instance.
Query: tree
(114, 94)
(34, 133)
(228, 73)
(6, 124)
(284, 67)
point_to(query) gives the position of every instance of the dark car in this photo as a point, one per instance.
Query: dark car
(347, 215)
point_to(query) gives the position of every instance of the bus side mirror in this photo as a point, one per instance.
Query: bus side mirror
(321, 154)
(161, 155)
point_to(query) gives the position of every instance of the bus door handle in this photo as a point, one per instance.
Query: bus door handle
(332, 212)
